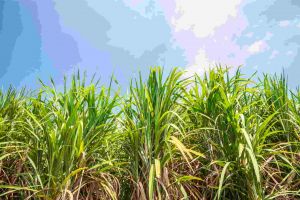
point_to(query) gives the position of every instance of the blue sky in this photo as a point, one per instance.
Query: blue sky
(55, 38)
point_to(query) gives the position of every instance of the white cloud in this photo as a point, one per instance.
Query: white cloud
(201, 64)
(284, 23)
(203, 16)
(257, 47)
(213, 23)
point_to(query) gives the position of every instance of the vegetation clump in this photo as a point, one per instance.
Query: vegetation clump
(214, 136)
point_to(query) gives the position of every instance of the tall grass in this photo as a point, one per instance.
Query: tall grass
(216, 136)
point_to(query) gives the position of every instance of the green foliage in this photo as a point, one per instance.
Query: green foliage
(214, 136)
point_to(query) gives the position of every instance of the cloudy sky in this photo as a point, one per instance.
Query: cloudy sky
(54, 38)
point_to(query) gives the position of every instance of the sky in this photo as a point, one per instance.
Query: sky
(53, 38)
